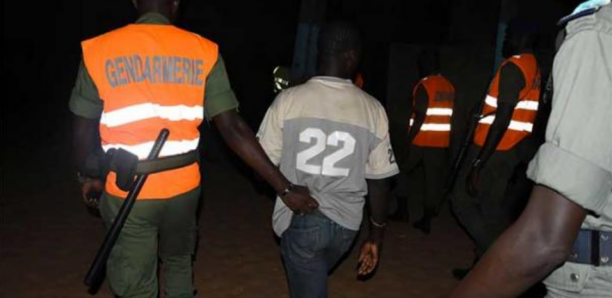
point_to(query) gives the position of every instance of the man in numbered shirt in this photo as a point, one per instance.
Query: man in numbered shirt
(332, 137)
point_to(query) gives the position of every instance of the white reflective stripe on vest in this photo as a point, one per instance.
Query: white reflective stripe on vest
(514, 125)
(439, 112)
(170, 148)
(433, 126)
(521, 105)
(150, 110)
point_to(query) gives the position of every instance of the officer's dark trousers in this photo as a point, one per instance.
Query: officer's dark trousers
(503, 191)
(433, 164)
(155, 229)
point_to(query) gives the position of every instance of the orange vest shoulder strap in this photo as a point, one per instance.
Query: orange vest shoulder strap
(528, 65)
(209, 47)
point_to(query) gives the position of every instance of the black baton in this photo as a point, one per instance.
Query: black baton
(96, 273)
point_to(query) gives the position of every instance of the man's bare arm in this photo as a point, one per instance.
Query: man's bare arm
(84, 140)
(534, 246)
(241, 139)
(371, 248)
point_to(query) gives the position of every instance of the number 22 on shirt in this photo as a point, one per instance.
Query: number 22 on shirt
(319, 141)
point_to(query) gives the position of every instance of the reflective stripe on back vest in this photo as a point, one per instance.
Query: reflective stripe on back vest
(436, 128)
(151, 77)
(525, 112)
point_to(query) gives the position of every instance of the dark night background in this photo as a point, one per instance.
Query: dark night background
(41, 53)
(41, 48)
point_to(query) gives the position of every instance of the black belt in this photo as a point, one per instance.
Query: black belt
(163, 164)
(593, 248)
(127, 166)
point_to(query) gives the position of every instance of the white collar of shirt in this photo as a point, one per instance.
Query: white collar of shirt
(332, 79)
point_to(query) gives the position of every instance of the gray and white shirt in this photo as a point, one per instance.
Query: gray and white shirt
(329, 136)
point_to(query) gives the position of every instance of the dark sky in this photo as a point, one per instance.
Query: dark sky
(41, 40)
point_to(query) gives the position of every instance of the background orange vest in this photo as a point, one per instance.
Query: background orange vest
(525, 111)
(358, 80)
(151, 77)
(436, 128)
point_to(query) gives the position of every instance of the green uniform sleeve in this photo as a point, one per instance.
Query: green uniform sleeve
(85, 100)
(219, 96)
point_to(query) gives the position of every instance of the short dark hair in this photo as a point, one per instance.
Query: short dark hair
(338, 37)
(525, 32)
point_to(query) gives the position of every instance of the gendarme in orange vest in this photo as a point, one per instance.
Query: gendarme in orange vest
(525, 111)
(436, 128)
(151, 77)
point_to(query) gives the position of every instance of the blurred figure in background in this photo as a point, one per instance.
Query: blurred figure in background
(565, 233)
(490, 188)
(429, 137)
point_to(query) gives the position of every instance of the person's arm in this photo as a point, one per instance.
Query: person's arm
(381, 166)
(572, 162)
(535, 245)
(241, 139)
(84, 142)
(378, 193)
(421, 103)
(511, 82)
(221, 105)
(86, 106)
(510, 85)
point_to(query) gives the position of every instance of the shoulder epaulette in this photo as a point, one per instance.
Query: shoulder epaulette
(584, 9)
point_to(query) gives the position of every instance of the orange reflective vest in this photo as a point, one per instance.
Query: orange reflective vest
(436, 128)
(525, 111)
(151, 77)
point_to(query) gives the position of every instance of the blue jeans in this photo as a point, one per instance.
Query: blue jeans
(310, 248)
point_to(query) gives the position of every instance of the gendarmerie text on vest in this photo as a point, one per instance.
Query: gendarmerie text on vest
(156, 69)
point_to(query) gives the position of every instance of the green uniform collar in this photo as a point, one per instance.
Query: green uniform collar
(153, 18)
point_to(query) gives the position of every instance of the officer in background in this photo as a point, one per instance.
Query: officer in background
(429, 136)
(486, 198)
(565, 232)
(133, 82)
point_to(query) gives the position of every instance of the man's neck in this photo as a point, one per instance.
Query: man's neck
(332, 67)
(154, 12)
(333, 72)
(153, 17)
